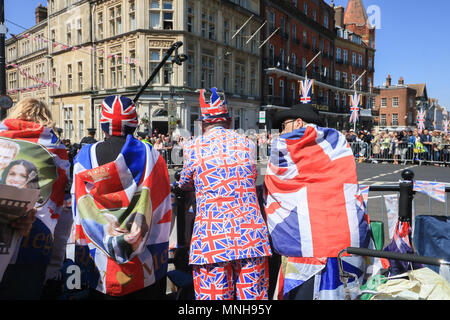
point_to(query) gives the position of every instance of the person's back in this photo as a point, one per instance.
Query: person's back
(122, 205)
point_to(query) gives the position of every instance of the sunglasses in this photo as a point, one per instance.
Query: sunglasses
(284, 124)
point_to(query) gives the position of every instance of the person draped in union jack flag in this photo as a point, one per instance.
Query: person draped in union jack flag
(122, 209)
(32, 266)
(314, 206)
(229, 246)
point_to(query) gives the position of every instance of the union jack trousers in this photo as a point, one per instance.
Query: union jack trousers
(245, 279)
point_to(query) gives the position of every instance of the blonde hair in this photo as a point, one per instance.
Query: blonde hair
(34, 110)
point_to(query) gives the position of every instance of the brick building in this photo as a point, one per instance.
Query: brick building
(346, 44)
(395, 105)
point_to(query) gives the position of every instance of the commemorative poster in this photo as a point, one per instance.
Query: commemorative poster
(27, 172)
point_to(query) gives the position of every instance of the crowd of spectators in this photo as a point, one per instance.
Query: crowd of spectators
(399, 147)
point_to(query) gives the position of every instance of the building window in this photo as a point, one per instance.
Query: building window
(395, 119)
(69, 34)
(360, 60)
(68, 122)
(411, 103)
(115, 20)
(293, 90)
(190, 66)
(314, 15)
(345, 56)
(162, 13)
(207, 70)
(337, 99)
(79, 31)
(383, 102)
(100, 25)
(132, 68)
(239, 84)
(305, 8)
(226, 31)
(116, 71)
(271, 88)
(12, 80)
(154, 61)
(190, 18)
(226, 75)
(167, 73)
(101, 73)
(80, 122)
(395, 102)
(53, 80)
(80, 76)
(294, 32)
(282, 91)
(132, 15)
(325, 20)
(69, 78)
(252, 79)
(305, 37)
(383, 120)
(271, 21)
(354, 58)
(338, 78)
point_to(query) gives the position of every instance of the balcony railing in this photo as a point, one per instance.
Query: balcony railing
(296, 69)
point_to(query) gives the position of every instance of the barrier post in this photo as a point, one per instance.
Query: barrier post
(406, 196)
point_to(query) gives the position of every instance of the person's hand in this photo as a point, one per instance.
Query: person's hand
(23, 225)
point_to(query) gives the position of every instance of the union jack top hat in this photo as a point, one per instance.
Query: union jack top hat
(215, 110)
(118, 117)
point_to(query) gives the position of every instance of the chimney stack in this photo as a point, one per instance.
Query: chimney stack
(41, 13)
(339, 16)
(401, 81)
(388, 81)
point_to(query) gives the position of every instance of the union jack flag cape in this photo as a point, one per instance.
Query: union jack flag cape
(49, 213)
(355, 103)
(313, 203)
(314, 207)
(306, 87)
(122, 214)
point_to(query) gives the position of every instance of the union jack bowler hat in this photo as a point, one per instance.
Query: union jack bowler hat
(215, 110)
(118, 117)
(306, 112)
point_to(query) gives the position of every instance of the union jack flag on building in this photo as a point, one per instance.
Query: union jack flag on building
(355, 101)
(119, 116)
(421, 120)
(306, 89)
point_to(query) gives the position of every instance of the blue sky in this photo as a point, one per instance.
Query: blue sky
(412, 42)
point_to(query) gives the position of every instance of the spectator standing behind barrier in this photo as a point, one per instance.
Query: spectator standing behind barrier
(230, 242)
(376, 146)
(404, 145)
(437, 146)
(426, 140)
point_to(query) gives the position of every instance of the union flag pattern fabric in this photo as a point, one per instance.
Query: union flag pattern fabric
(246, 279)
(118, 117)
(313, 203)
(228, 223)
(122, 214)
(48, 214)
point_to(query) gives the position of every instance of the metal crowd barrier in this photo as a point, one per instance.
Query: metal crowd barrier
(402, 153)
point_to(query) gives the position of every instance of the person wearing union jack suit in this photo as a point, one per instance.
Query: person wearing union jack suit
(314, 206)
(229, 247)
(122, 209)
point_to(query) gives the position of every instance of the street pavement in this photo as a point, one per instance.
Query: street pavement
(390, 174)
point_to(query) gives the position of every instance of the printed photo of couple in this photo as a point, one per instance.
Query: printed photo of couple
(26, 173)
